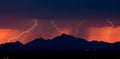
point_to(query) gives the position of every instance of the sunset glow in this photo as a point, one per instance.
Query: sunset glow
(5, 34)
(106, 34)
(94, 33)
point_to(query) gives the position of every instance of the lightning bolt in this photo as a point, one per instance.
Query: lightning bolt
(31, 28)
(54, 25)
(77, 29)
(113, 26)
(111, 23)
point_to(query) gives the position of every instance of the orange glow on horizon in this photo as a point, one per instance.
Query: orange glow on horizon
(106, 34)
(93, 34)
(5, 34)
(66, 30)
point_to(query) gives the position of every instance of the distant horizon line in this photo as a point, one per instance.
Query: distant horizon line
(58, 36)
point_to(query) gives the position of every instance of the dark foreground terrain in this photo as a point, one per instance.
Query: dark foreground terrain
(59, 55)
(60, 47)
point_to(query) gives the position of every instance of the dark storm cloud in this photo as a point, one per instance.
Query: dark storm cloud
(18, 15)
(61, 9)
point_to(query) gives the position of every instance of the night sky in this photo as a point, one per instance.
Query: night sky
(87, 19)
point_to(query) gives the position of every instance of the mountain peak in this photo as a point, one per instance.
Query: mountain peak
(62, 42)
(65, 35)
(18, 42)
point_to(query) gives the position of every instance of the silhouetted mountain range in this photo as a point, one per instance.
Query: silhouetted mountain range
(61, 43)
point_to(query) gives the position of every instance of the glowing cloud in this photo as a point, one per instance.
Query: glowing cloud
(67, 30)
(111, 30)
(6, 34)
(98, 33)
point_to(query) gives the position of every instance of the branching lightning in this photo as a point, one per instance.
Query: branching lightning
(77, 29)
(54, 25)
(31, 28)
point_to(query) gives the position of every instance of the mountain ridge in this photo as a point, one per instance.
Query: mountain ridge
(61, 42)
